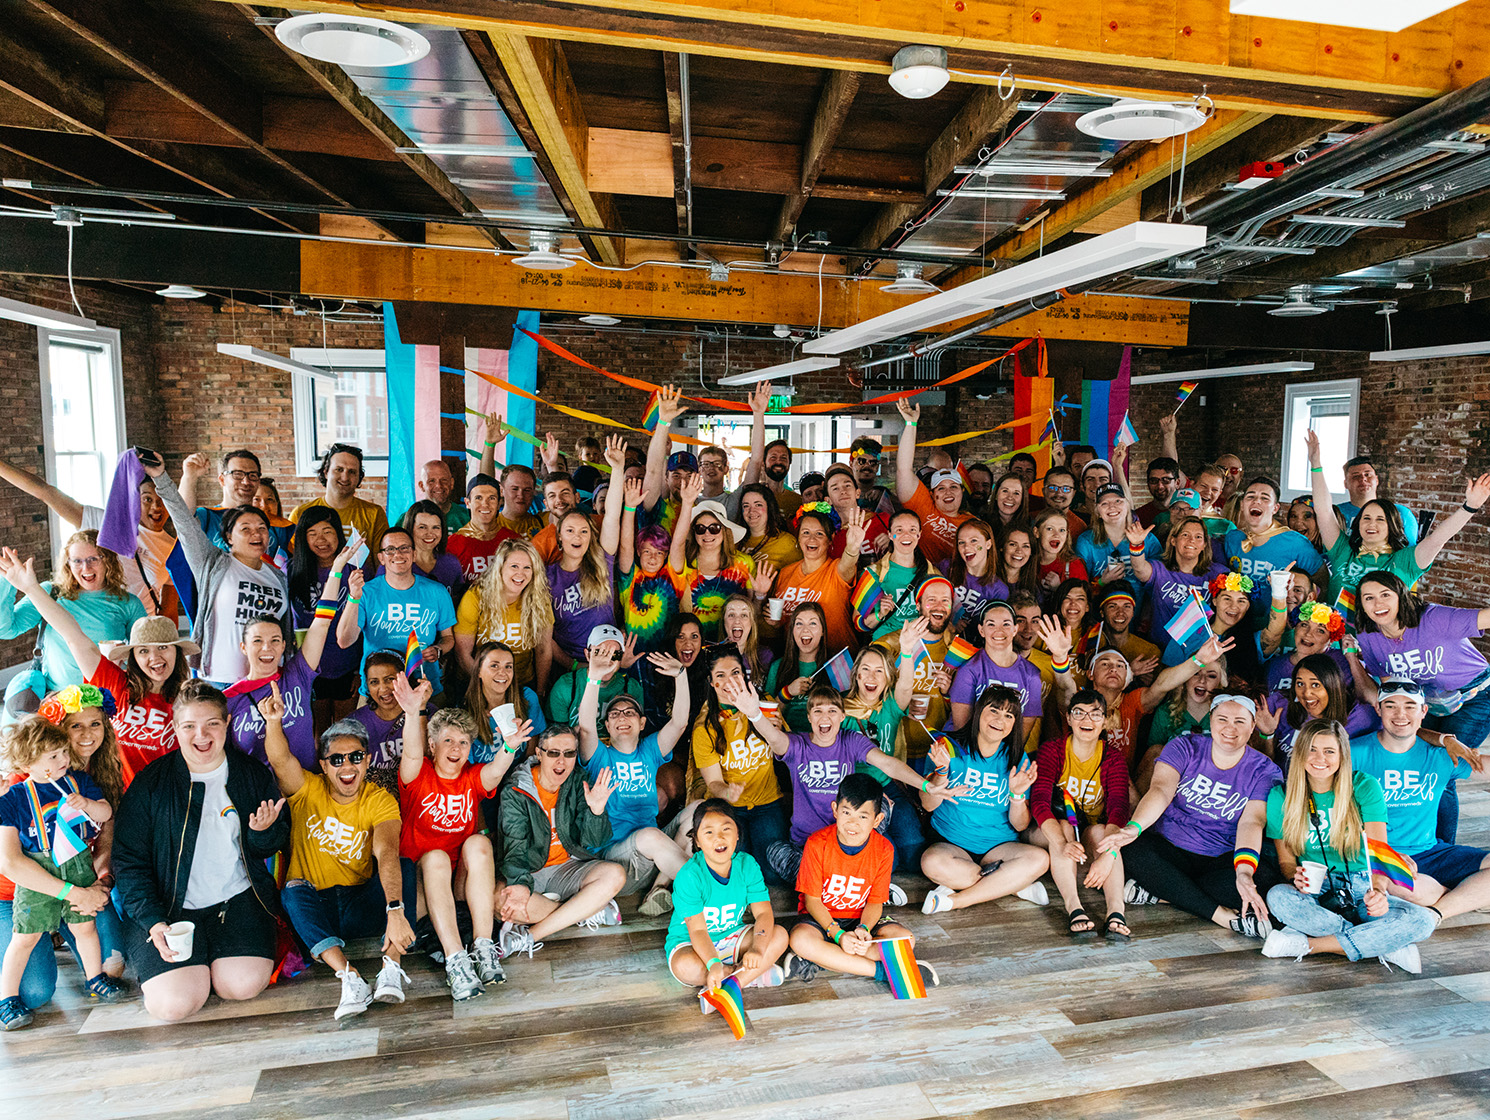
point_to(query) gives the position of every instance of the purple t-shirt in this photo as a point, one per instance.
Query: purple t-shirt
(1209, 802)
(385, 738)
(981, 671)
(1359, 720)
(974, 591)
(815, 773)
(1171, 590)
(573, 621)
(1280, 672)
(295, 681)
(335, 661)
(1437, 653)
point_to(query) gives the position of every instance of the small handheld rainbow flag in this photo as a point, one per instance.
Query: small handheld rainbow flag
(840, 669)
(967, 479)
(1345, 603)
(1386, 860)
(867, 593)
(727, 1000)
(901, 969)
(1071, 818)
(651, 415)
(959, 652)
(413, 661)
(1186, 388)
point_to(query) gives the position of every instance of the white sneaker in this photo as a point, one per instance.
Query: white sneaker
(929, 975)
(1134, 895)
(659, 901)
(516, 939)
(1405, 958)
(937, 900)
(1286, 943)
(391, 981)
(609, 915)
(897, 895)
(488, 962)
(1035, 893)
(356, 997)
(773, 977)
(460, 976)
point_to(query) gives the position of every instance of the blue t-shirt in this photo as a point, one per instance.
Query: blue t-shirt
(387, 615)
(815, 774)
(979, 819)
(1274, 553)
(633, 799)
(1413, 783)
(1096, 556)
(18, 811)
(1351, 511)
(725, 906)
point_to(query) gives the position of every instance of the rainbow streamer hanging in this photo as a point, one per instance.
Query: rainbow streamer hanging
(1071, 818)
(1386, 860)
(867, 593)
(727, 1000)
(901, 969)
(959, 652)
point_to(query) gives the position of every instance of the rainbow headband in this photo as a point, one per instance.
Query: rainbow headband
(74, 698)
(1232, 581)
(1322, 615)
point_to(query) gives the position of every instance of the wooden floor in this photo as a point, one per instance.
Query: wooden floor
(1187, 1021)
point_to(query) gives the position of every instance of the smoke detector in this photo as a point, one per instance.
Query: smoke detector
(919, 72)
(352, 40)
(1297, 304)
(180, 291)
(908, 281)
(599, 320)
(1142, 120)
(543, 253)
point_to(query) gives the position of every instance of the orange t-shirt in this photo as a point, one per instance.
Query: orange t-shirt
(546, 541)
(557, 853)
(938, 530)
(844, 883)
(825, 587)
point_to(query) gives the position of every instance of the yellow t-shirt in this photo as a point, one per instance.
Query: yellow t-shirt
(525, 525)
(330, 843)
(746, 759)
(924, 692)
(1083, 781)
(507, 629)
(367, 517)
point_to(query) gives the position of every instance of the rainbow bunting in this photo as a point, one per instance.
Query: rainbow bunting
(959, 652)
(840, 670)
(413, 662)
(867, 593)
(651, 415)
(1386, 860)
(727, 1000)
(1071, 818)
(901, 970)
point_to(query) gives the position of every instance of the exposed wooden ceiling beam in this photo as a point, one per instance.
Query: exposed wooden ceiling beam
(672, 82)
(833, 105)
(1171, 49)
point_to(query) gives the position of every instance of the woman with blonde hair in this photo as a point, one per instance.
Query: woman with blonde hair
(510, 603)
(1324, 817)
(739, 626)
(1056, 559)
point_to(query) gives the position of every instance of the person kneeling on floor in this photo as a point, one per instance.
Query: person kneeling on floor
(553, 821)
(843, 883)
(345, 878)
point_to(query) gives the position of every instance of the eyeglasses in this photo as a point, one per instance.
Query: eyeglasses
(623, 710)
(1233, 470)
(85, 561)
(708, 530)
(1059, 489)
(1153, 478)
(560, 754)
(245, 476)
(404, 551)
(355, 758)
(1087, 713)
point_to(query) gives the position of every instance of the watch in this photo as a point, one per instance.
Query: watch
(396, 907)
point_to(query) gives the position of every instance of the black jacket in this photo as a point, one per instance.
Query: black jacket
(155, 834)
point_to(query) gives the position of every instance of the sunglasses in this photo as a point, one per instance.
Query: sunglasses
(708, 530)
(560, 754)
(355, 758)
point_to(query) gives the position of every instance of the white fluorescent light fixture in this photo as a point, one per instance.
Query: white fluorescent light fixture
(1025, 194)
(1452, 350)
(19, 312)
(785, 369)
(1346, 220)
(599, 320)
(502, 151)
(1374, 15)
(1037, 167)
(1222, 371)
(1133, 246)
(264, 358)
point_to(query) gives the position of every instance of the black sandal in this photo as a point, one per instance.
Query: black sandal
(1118, 929)
(1075, 917)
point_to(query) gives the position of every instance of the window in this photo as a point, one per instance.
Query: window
(82, 387)
(348, 405)
(1332, 409)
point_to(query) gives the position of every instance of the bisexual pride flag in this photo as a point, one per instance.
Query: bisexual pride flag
(727, 1000)
(901, 969)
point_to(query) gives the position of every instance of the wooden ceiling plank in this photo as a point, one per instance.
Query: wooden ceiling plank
(839, 90)
(672, 80)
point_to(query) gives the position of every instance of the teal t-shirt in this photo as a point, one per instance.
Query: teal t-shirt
(725, 906)
(880, 726)
(1412, 783)
(896, 579)
(1368, 799)
(1347, 569)
(978, 821)
(793, 710)
(101, 615)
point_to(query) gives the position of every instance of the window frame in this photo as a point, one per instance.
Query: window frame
(302, 402)
(108, 342)
(1302, 391)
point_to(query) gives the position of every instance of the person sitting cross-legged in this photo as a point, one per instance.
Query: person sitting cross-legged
(345, 879)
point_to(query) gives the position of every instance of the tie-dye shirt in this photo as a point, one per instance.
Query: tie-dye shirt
(708, 593)
(648, 602)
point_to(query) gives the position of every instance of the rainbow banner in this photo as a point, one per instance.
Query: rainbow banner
(1386, 860)
(652, 414)
(959, 652)
(727, 1000)
(901, 969)
(1071, 818)
(867, 594)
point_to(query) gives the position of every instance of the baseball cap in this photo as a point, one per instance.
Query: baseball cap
(1103, 463)
(682, 461)
(604, 632)
(939, 477)
(617, 699)
(481, 480)
(1109, 490)
(1185, 497)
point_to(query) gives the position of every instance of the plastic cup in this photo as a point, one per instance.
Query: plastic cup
(771, 710)
(506, 719)
(179, 938)
(920, 705)
(1314, 874)
(775, 609)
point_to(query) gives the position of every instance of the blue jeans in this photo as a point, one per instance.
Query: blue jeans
(326, 919)
(1360, 936)
(904, 829)
(39, 981)
(1471, 726)
(759, 829)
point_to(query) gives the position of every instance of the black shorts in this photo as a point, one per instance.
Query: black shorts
(239, 927)
(343, 687)
(848, 925)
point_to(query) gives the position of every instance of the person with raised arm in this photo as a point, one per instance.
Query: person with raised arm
(1259, 545)
(938, 503)
(510, 604)
(703, 557)
(582, 577)
(1184, 568)
(769, 462)
(665, 473)
(818, 578)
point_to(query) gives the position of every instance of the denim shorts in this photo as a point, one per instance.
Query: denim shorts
(1450, 864)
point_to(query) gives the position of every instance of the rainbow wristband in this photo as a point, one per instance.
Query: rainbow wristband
(1244, 857)
(1061, 666)
(326, 608)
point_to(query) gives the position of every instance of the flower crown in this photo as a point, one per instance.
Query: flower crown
(1323, 615)
(824, 508)
(1232, 581)
(74, 698)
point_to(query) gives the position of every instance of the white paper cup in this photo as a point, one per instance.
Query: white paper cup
(179, 938)
(506, 718)
(920, 705)
(1314, 874)
(771, 710)
(775, 609)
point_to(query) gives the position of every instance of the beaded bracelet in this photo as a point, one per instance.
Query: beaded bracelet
(1244, 857)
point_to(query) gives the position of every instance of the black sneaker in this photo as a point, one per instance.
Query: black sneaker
(1254, 926)
(799, 968)
(14, 1014)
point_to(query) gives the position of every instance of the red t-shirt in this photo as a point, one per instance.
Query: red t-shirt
(473, 553)
(144, 730)
(438, 813)
(844, 883)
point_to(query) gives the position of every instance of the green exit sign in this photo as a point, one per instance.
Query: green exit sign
(779, 402)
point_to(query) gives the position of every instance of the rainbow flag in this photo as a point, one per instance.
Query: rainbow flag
(651, 415)
(413, 662)
(867, 593)
(940, 740)
(959, 652)
(1386, 860)
(1186, 388)
(1345, 603)
(727, 1000)
(1071, 818)
(840, 670)
(901, 969)
(967, 479)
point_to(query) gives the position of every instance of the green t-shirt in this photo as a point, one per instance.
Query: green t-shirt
(1166, 727)
(896, 579)
(1347, 569)
(725, 906)
(793, 710)
(1368, 798)
(880, 727)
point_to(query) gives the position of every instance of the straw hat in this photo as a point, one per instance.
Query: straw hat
(155, 630)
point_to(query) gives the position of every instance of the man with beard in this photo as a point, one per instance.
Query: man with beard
(929, 707)
(1117, 608)
(1163, 480)
(341, 473)
(980, 479)
(1059, 490)
(769, 462)
(436, 484)
(864, 457)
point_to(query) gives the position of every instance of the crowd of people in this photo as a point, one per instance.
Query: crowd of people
(260, 738)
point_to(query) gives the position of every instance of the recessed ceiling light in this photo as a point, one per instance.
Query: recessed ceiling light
(918, 72)
(1141, 120)
(352, 40)
(1297, 304)
(908, 281)
(180, 291)
(543, 253)
(599, 320)
(1374, 15)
